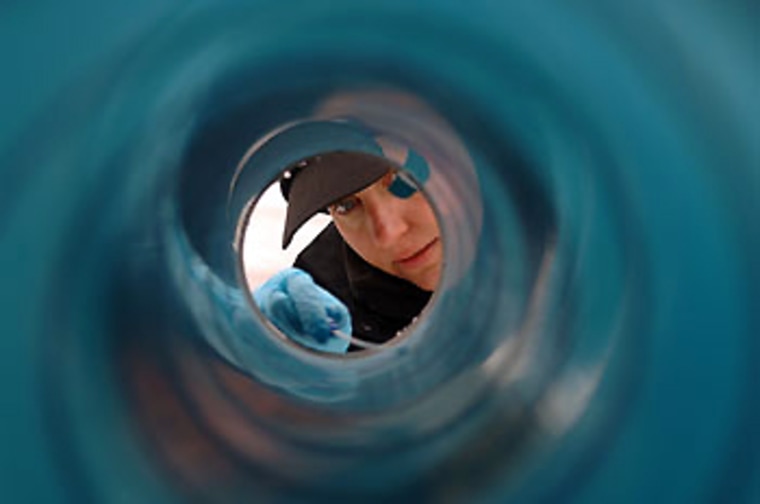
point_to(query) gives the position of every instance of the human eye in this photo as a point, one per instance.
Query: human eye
(345, 206)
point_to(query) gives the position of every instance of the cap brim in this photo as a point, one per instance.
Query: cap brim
(326, 179)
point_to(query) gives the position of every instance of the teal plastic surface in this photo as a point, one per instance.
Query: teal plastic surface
(600, 346)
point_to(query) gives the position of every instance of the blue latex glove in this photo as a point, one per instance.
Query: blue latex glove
(304, 311)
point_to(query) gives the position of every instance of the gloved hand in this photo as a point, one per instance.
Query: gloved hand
(304, 311)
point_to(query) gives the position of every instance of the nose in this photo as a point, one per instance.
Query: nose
(388, 222)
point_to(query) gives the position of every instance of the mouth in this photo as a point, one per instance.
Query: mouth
(419, 257)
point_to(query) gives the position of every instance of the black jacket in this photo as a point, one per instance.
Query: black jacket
(380, 304)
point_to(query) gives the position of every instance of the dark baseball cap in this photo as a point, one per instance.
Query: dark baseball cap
(313, 184)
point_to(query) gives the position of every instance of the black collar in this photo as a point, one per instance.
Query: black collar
(381, 292)
(380, 304)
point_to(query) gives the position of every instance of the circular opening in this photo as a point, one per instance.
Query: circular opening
(381, 183)
(343, 251)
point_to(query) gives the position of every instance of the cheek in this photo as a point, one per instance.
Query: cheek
(423, 214)
(348, 234)
(360, 242)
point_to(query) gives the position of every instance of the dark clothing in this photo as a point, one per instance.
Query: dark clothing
(380, 304)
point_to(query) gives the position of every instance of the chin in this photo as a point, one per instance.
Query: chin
(427, 282)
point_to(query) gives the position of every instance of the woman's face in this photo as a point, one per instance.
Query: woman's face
(397, 235)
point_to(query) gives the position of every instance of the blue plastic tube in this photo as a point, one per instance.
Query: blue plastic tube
(598, 343)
